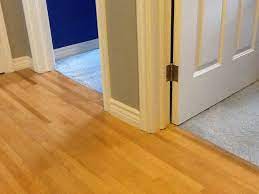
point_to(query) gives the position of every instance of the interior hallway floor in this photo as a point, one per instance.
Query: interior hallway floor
(56, 138)
(84, 68)
(233, 124)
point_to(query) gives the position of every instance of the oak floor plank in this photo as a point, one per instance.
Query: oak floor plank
(56, 139)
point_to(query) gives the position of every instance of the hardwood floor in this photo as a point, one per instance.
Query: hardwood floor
(56, 139)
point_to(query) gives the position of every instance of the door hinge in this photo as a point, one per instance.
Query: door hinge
(172, 72)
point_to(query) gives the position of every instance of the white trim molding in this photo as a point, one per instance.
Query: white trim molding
(125, 113)
(154, 43)
(5, 51)
(104, 51)
(22, 63)
(75, 49)
(38, 27)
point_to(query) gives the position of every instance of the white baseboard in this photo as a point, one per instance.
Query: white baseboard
(125, 113)
(22, 63)
(76, 49)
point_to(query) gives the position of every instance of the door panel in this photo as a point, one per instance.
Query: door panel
(209, 25)
(245, 23)
(214, 47)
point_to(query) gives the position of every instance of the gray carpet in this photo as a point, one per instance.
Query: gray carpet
(84, 68)
(232, 124)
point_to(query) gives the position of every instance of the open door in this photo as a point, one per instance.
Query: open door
(5, 53)
(215, 51)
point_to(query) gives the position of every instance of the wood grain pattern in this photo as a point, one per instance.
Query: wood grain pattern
(56, 139)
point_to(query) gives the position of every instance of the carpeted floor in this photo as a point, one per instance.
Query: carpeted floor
(232, 124)
(84, 68)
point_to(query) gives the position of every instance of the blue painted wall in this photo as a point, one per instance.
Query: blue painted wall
(72, 21)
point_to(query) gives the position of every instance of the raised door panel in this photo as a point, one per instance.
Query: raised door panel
(245, 25)
(209, 28)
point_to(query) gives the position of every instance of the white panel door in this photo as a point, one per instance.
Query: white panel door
(215, 49)
(5, 53)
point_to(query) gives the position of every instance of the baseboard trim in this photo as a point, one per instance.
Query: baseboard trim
(76, 49)
(125, 113)
(22, 63)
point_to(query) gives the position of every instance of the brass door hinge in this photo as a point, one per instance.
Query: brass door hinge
(172, 72)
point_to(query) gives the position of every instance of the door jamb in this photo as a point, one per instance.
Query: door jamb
(4, 45)
(154, 52)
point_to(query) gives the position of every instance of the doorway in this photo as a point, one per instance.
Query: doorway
(43, 56)
(75, 41)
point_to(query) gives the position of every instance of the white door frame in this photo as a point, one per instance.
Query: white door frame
(6, 57)
(154, 52)
(154, 33)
